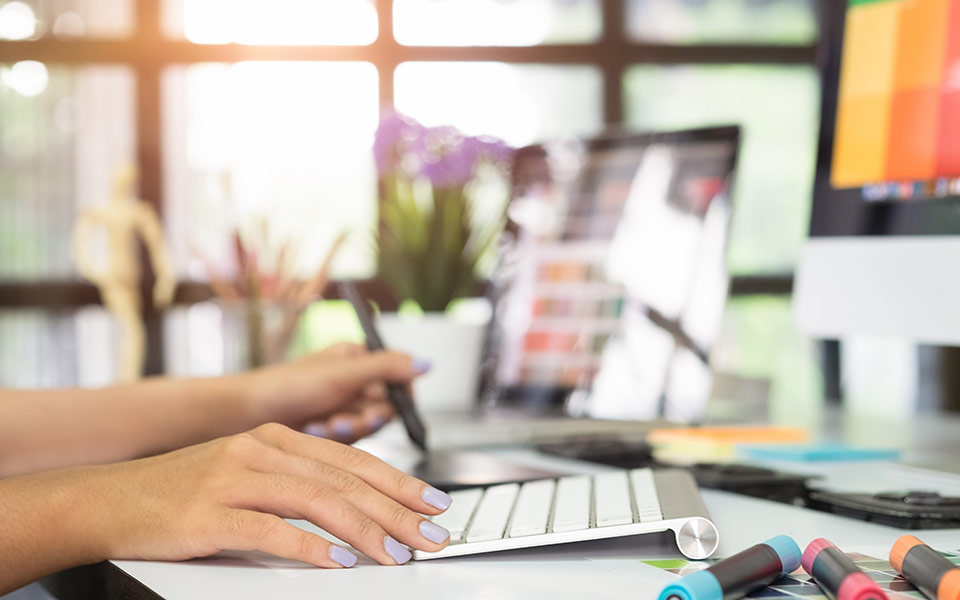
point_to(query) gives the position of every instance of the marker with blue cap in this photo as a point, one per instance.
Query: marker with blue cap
(739, 575)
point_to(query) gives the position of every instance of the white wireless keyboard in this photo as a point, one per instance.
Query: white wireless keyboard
(578, 508)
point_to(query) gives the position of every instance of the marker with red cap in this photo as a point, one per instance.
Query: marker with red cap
(924, 567)
(839, 578)
(735, 577)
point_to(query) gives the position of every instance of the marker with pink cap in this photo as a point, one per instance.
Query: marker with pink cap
(839, 578)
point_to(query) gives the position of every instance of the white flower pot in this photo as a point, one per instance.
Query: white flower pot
(452, 346)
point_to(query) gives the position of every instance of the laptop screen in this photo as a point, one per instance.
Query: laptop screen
(610, 288)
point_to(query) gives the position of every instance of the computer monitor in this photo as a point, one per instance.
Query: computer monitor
(610, 288)
(883, 253)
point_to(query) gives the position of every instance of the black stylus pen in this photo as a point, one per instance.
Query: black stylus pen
(398, 395)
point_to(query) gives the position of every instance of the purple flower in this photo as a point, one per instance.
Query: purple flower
(448, 158)
(442, 155)
(496, 150)
(395, 136)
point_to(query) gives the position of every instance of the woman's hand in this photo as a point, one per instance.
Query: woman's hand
(232, 492)
(339, 393)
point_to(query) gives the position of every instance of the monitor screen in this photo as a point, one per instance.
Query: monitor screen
(610, 292)
(890, 142)
(883, 248)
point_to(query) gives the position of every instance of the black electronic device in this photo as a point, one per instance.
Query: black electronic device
(906, 510)
(748, 480)
(605, 450)
(450, 470)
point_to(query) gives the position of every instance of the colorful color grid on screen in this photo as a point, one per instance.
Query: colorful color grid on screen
(800, 585)
(898, 115)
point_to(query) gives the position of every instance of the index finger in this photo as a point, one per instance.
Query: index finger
(405, 489)
(354, 374)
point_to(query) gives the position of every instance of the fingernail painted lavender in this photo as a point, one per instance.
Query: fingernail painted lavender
(396, 550)
(436, 498)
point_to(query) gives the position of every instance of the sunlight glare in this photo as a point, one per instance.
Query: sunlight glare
(293, 139)
(281, 22)
(17, 21)
(473, 23)
(27, 77)
(494, 105)
(69, 24)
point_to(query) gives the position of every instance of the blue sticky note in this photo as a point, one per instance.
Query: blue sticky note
(816, 452)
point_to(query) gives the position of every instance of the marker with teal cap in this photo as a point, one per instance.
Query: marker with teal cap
(739, 575)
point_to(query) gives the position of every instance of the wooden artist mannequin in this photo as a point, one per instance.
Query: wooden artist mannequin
(124, 218)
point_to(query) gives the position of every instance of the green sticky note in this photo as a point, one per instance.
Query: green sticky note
(670, 563)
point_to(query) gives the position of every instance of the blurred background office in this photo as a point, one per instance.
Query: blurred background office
(244, 112)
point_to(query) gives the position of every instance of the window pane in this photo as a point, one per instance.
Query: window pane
(760, 340)
(33, 346)
(33, 19)
(205, 339)
(709, 21)
(778, 108)
(519, 103)
(40, 348)
(63, 133)
(280, 22)
(496, 22)
(288, 145)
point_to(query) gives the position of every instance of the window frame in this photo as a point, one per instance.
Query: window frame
(148, 52)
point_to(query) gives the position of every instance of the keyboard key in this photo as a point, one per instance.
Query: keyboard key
(490, 520)
(572, 510)
(612, 499)
(645, 494)
(457, 517)
(533, 508)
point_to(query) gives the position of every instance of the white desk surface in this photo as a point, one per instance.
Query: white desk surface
(602, 569)
(597, 569)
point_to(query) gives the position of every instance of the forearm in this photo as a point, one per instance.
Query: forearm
(40, 528)
(53, 428)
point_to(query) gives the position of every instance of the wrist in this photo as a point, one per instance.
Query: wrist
(50, 522)
(210, 408)
(82, 507)
(250, 395)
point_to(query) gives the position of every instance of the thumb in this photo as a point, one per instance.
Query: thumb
(354, 373)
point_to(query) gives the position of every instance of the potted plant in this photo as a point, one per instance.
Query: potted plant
(434, 185)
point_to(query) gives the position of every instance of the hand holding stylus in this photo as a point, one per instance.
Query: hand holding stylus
(339, 393)
(397, 394)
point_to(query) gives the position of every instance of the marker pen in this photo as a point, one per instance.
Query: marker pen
(742, 573)
(837, 575)
(924, 567)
